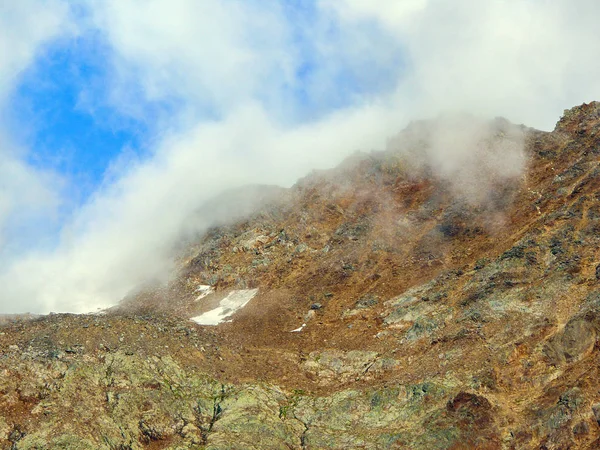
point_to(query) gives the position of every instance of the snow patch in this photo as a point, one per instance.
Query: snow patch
(234, 301)
(204, 290)
(299, 329)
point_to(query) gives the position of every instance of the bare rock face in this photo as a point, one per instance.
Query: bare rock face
(402, 300)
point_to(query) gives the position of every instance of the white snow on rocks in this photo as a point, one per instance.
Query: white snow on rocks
(204, 290)
(234, 301)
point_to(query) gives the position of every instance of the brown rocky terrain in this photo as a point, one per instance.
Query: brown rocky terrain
(432, 314)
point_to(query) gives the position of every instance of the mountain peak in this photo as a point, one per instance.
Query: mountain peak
(582, 119)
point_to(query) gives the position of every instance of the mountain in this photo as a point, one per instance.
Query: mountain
(442, 294)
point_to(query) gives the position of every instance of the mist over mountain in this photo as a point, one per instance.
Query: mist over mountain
(119, 120)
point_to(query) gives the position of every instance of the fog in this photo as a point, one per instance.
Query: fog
(246, 116)
(472, 156)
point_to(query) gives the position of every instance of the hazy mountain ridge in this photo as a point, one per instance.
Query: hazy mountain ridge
(449, 298)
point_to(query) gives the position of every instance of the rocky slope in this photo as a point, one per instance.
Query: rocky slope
(400, 304)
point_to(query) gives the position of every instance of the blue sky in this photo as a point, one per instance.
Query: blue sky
(58, 111)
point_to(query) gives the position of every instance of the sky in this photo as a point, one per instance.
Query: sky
(120, 118)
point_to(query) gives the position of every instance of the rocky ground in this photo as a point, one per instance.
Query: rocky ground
(427, 316)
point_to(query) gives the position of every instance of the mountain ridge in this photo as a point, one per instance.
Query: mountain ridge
(447, 297)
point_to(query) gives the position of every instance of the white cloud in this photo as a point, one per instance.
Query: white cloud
(24, 26)
(214, 52)
(391, 13)
(525, 60)
(26, 195)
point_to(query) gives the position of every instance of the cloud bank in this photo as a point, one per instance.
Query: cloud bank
(263, 93)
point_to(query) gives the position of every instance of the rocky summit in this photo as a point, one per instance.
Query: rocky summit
(441, 294)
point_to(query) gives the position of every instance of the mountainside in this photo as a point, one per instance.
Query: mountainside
(401, 300)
